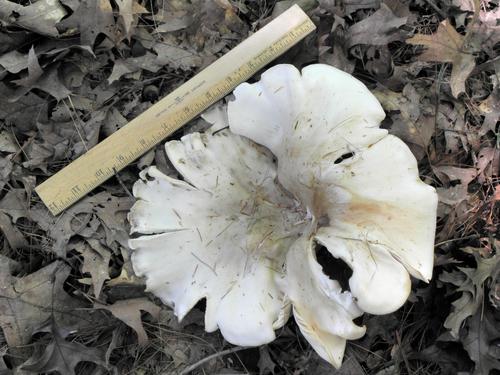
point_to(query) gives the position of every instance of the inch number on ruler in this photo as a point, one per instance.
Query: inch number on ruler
(176, 109)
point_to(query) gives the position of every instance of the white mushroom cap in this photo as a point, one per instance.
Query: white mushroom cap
(240, 230)
(380, 217)
(222, 238)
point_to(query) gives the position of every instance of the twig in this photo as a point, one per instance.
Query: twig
(486, 65)
(436, 104)
(472, 236)
(403, 354)
(79, 132)
(437, 9)
(121, 183)
(194, 366)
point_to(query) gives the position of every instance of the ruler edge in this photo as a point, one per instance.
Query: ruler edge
(41, 187)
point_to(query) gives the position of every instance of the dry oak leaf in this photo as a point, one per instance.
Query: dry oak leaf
(471, 282)
(447, 45)
(14, 237)
(40, 17)
(409, 121)
(27, 302)
(380, 28)
(95, 262)
(486, 32)
(132, 65)
(129, 9)
(175, 55)
(8, 142)
(129, 312)
(47, 81)
(60, 229)
(91, 18)
(24, 112)
(15, 203)
(110, 211)
(172, 21)
(34, 70)
(5, 171)
(13, 61)
(490, 108)
(63, 356)
(481, 341)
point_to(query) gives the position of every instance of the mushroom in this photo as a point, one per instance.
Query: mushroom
(303, 164)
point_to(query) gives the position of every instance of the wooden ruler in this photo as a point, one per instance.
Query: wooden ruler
(182, 105)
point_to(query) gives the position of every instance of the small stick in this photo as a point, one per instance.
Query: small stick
(121, 183)
(437, 9)
(194, 366)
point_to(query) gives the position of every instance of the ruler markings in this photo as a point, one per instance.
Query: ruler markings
(59, 193)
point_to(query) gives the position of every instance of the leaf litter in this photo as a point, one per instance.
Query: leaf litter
(73, 72)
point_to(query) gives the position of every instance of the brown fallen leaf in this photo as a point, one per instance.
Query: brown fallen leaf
(283, 5)
(485, 169)
(13, 61)
(112, 213)
(488, 165)
(129, 312)
(51, 83)
(91, 18)
(11, 265)
(63, 356)
(175, 55)
(454, 201)
(5, 171)
(129, 10)
(332, 49)
(448, 174)
(40, 16)
(379, 62)
(469, 281)
(490, 108)
(266, 363)
(481, 341)
(132, 65)
(11, 41)
(34, 70)
(62, 141)
(484, 31)
(447, 45)
(26, 302)
(47, 81)
(8, 142)
(401, 8)
(108, 210)
(380, 28)
(14, 237)
(171, 21)
(454, 197)
(14, 203)
(22, 112)
(95, 261)
(62, 228)
(408, 120)
(496, 194)
(450, 120)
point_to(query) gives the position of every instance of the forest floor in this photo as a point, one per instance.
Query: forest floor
(73, 72)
